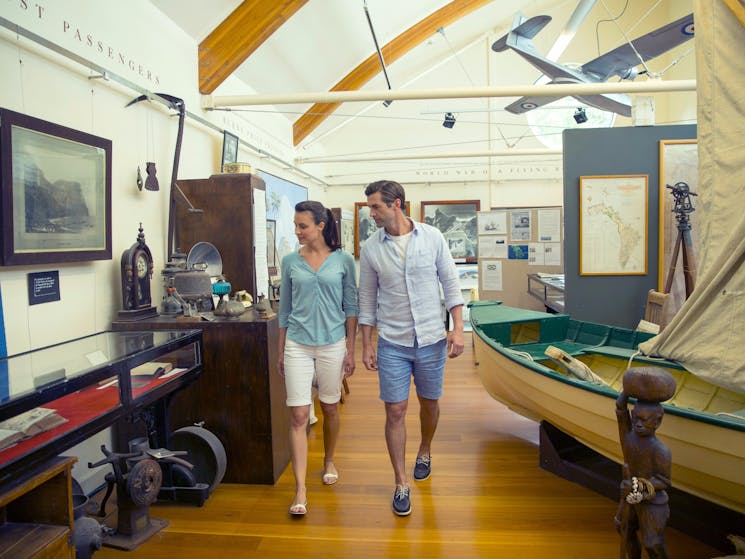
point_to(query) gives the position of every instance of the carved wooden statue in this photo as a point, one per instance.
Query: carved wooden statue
(643, 509)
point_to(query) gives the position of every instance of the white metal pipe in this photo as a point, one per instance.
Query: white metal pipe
(422, 155)
(550, 90)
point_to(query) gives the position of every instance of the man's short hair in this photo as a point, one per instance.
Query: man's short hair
(389, 191)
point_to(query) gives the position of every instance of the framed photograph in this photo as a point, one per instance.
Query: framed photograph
(678, 164)
(613, 225)
(229, 149)
(364, 225)
(458, 222)
(56, 192)
(281, 197)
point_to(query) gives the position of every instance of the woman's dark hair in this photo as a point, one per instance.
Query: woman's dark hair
(322, 215)
(389, 191)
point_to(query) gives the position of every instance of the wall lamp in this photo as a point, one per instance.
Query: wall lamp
(449, 121)
(580, 117)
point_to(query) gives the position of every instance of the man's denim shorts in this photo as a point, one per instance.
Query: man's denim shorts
(396, 365)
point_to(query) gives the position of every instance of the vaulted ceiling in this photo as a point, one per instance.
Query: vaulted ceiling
(293, 46)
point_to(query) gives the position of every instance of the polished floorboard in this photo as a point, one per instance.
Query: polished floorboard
(487, 496)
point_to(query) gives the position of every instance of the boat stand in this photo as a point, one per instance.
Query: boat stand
(564, 456)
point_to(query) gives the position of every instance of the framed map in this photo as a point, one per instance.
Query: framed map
(613, 225)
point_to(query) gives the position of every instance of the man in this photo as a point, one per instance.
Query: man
(402, 266)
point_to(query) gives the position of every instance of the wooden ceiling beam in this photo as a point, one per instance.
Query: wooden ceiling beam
(392, 51)
(239, 35)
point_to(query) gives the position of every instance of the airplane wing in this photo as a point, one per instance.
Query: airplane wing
(525, 104)
(620, 60)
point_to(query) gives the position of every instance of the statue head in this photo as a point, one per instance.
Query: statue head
(646, 418)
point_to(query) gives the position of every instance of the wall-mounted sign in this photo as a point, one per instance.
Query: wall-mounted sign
(43, 287)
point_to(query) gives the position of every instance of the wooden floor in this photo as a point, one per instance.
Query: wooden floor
(487, 496)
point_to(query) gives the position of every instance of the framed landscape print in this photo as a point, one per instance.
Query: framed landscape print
(457, 221)
(56, 192)
(613, 225)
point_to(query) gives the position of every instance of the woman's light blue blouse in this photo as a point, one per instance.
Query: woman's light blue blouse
(314, 306)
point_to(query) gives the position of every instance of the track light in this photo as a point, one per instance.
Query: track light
(580, 117)
(449, 121)
(387, 102)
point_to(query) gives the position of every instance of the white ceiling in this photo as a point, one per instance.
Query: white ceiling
(326, 39)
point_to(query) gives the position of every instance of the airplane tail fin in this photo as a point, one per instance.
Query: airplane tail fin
(521, 28)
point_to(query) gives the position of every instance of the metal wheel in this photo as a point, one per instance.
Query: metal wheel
(206, 452)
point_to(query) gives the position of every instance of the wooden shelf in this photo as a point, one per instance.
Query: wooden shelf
(36, 513)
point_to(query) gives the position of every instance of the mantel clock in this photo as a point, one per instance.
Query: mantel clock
(137, 271)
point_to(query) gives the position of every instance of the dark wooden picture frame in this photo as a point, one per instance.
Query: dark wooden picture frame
(229, 149)
(457, 221)
(56, 192)
(364, 226)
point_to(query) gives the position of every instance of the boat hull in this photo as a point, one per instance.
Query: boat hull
(708, 456)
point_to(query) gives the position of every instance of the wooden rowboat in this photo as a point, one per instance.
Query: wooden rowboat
(704, 425)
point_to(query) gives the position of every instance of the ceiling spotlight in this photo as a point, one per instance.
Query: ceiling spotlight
(580, 117)
(387, 102)
(449, 121)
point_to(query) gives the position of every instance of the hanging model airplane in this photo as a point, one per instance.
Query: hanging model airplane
(621, 61)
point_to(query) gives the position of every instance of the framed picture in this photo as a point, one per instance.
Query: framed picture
(613, 225)
(229, 149)
(281, 197)
(271, 247)
(56, 192)
(458, 222)
(678, 164)
(364, 225)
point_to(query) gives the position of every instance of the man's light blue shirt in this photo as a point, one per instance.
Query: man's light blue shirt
(403, 298)
(314, 306)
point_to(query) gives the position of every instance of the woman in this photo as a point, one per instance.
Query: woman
(317, 326)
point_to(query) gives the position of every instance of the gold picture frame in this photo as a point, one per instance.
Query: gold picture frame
(678, 163)
(613, 225)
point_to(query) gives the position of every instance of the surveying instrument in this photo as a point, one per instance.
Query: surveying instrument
(682, 208)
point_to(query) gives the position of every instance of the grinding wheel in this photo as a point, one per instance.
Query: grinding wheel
(206, 453)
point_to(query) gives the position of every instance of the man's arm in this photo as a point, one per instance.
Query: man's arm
(368, 300)
(369, 357)
(455, 337)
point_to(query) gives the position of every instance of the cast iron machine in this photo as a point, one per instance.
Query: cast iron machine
(138, 477)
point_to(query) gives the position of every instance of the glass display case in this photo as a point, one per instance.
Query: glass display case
(55, 397)
(548, 289)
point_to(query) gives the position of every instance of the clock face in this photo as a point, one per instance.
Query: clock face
(141, 265)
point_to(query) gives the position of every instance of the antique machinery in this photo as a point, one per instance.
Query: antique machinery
(138, 477)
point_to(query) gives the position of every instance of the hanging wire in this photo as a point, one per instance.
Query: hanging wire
(441, 31)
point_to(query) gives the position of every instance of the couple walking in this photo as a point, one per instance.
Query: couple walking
(403, 265)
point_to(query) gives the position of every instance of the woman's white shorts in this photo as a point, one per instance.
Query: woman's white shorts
(308, 365)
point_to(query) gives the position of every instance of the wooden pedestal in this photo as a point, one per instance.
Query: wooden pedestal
(240, 396)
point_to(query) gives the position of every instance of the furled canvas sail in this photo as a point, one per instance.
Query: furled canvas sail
(707, 335)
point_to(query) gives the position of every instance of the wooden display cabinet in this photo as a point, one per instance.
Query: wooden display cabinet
(226, 220)
(36, 512)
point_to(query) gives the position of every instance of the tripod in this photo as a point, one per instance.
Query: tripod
(682, 208)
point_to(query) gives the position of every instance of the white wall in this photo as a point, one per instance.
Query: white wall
(135, 42)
